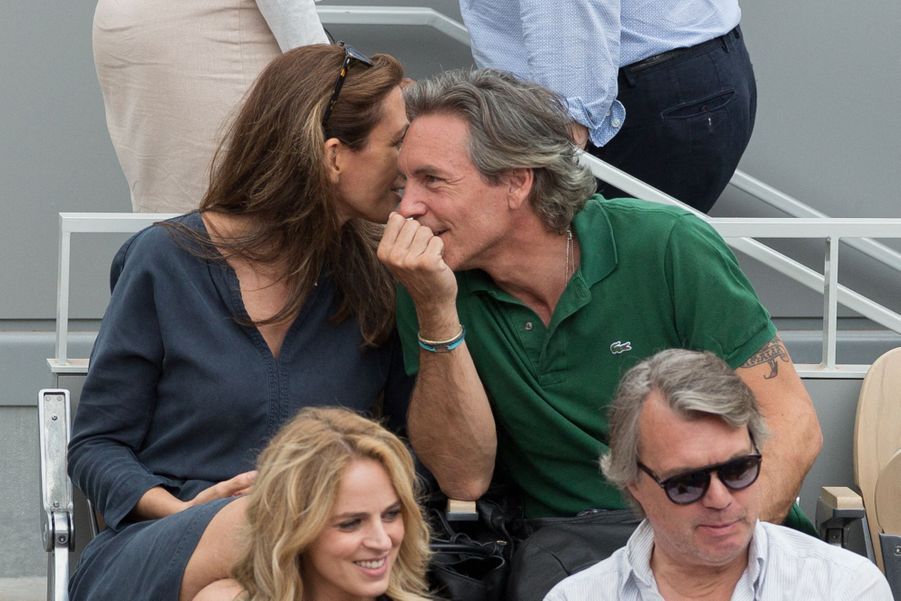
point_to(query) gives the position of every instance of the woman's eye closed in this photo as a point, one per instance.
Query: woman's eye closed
(391, 514)
(348, 525)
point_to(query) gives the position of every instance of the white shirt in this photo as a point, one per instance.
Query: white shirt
(783, 564)
(576, 47)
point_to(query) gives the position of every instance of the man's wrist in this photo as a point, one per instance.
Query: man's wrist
(438, 323)
(444, 345)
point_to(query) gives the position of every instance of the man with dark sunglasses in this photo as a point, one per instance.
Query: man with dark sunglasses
(686, 447)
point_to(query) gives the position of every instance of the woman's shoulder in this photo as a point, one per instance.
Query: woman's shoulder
(157, 246)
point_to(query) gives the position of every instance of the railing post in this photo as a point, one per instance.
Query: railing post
(62, 292)
(830, 301)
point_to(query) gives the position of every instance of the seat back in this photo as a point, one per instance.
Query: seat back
(877, 448)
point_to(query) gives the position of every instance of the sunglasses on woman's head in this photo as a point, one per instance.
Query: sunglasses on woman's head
(691, 486)
(350, 54)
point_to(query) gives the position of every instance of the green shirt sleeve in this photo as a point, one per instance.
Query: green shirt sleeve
(716, 308)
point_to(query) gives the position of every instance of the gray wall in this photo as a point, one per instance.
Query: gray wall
(827, 132)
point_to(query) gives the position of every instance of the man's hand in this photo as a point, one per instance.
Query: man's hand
(414, 255)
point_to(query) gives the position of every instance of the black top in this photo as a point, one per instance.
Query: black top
(179, 394)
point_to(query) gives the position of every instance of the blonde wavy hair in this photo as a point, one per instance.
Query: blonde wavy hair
(295, 492)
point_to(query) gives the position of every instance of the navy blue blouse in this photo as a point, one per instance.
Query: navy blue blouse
(181, 395)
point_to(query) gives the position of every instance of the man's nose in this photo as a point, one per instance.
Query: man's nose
(411, 204)
(718, 496)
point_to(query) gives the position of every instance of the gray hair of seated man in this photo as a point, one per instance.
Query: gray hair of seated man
(512, 124)
(693, 384)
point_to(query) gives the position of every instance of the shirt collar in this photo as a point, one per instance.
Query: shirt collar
(594, 233)
(641, 544)
(638, 551)
(757, 557)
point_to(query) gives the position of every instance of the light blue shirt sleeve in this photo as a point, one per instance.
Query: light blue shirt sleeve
(569, 46)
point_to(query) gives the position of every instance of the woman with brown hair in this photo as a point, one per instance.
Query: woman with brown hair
(223, 323)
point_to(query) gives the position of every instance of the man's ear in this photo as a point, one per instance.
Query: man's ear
(518, 183)
(632, 487)
(332, 157)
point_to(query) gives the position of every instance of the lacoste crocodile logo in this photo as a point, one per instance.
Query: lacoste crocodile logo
(620, 347)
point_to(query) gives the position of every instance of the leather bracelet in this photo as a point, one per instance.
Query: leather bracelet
(442, 346)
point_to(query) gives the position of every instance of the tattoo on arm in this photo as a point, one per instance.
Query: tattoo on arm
(770, 354)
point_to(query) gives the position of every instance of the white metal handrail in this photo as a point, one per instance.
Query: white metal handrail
(94, 223)
(394, 15)
(757, 250)
(832, 230)
(794, 207)
(732, 229)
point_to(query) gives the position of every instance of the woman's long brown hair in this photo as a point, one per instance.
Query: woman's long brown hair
(270, 168)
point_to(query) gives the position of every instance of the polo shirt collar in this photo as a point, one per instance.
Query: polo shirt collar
(596, 243)
(476, 280)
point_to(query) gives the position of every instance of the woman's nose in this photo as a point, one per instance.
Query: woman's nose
(377, 538)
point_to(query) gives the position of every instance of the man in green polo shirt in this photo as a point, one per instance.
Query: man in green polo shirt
(525, 299)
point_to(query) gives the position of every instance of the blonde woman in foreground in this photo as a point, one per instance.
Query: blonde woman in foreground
(332, 516)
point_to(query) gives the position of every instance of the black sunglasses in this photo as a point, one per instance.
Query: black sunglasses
(691, 486)
(350, 54)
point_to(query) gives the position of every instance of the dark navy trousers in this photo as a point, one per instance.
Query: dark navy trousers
(688, 121)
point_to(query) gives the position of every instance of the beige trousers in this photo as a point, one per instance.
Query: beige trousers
(172, 73)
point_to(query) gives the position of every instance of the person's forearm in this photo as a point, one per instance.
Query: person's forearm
(156, 503)
(793, 447)
(795, 436)
(450, 421)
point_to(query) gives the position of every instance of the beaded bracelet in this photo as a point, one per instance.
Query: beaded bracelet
(443, 346)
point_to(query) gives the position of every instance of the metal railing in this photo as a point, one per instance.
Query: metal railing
(394, 15)
(85, 223)
(738, 232)
(794, 207)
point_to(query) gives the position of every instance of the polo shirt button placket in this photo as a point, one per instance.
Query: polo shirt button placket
(528, 326)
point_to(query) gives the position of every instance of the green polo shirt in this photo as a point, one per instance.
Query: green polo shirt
(651, 277)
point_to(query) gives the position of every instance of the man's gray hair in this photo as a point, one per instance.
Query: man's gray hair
(693, 384)
(512, 124)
